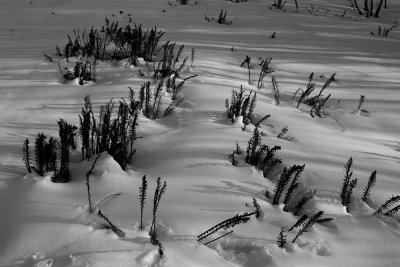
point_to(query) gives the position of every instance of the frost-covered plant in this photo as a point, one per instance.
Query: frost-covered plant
(241, 105)
(160, 190)
(142, 198)
(26, 155)
(231, 222)
(367, 189)
(281, 238)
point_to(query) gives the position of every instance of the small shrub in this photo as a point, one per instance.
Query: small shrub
(257, 207)
(284, 180)
(281, 238)
(316, 102)
(231, 222)
(160, 190)
(279, 4)
(360, 104)
(113, 227)
(222, 18)
(114, 42)
(348, 184)
(84, 71)
(297, 170)
(259, 155)
(265, 69)
(65, 132)
(142, 198)
(299, 222)
(241, 105)
(305, 94)
(283, 132)
(386, 206)
(167, 67)
(40, 157)
(246, 62)
(192, 56)
(26, 155)
(86, 124)
(307, 225)
(87, 181)
(276, 89)
(299, 206)
(367, 189)
(255, 148)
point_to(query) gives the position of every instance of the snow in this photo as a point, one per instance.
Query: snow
(47, 224)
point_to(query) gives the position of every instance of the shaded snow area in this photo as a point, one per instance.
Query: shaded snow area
(232, 196)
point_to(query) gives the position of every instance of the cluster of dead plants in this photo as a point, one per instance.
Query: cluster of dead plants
(168, 68)
(369, 7)
(317, 101)
(260, 155)
(221, 18)
(51, 155)
(384, 31)
(113, 42)
(241, 105)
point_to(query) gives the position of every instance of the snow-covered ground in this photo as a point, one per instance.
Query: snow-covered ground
(46, 224)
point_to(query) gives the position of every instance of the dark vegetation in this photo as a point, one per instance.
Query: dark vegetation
(317, 101)
(384, 31)
(231, 222)
(221, 18)
(241, 105)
